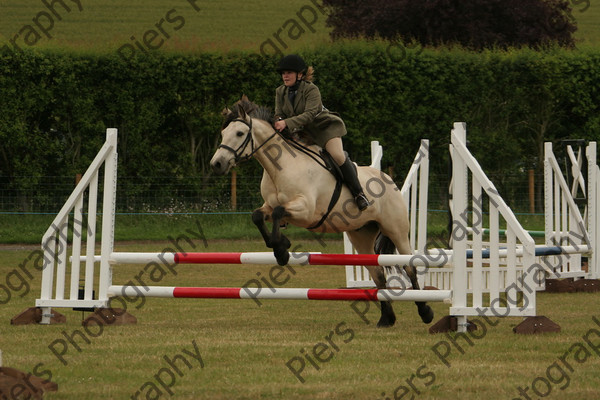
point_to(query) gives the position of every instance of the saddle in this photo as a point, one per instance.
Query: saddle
(301, 141)
(331, 165)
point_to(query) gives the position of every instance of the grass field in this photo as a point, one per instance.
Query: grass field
(191, 26)
(228, 349)
(244, 347)
(19, 228)
(195, 26)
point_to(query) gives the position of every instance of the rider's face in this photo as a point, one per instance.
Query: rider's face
(290, 77)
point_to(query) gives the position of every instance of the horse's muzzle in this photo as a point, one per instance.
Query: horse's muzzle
(220, 165)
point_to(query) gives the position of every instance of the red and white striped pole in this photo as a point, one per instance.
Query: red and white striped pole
(282, 293)
(435, 260)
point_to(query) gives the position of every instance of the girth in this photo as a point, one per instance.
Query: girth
(332, 167)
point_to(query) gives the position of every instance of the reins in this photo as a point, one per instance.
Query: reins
(250, 140)
(316, 157)
(304, 149)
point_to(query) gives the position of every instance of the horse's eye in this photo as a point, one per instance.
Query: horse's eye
(240, 133)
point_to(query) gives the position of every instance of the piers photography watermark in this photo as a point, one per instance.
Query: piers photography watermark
(155, 37)
(152, 272)
(557, 375)
(162, 382)
(51, 13)
(75, 342)
(303, 22)
(17, 281)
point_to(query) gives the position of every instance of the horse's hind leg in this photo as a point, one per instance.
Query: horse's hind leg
(386, 245)
(364, 242)
(425, 311)
(388, 317)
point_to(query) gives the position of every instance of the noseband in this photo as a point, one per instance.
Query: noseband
(237, 153)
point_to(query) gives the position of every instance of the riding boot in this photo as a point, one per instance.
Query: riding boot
(350, 177)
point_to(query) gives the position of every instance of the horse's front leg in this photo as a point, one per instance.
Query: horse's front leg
(259, 216)
(275, 239)
(279, 242)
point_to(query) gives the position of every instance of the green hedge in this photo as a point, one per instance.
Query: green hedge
(56, 106)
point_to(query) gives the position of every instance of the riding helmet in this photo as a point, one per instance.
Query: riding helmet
(291, 62)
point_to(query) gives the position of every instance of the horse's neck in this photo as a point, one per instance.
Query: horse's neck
(278, 158)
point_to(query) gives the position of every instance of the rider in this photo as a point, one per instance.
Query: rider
(298, 106)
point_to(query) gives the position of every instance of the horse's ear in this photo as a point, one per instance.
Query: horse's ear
(242, 112)
(245, 98)
(226, 111)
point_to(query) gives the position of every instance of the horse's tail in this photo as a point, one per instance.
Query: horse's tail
(384, 245)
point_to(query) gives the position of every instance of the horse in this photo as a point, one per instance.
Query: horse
(297, 189)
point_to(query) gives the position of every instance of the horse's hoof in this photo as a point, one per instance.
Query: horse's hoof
(426, 314)
(282, 256)
(388, 318)
(386, 322)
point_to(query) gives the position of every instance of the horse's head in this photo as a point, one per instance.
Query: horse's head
(244, 124)
(236, 140)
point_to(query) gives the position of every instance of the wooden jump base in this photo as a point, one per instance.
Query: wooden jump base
(282, 293)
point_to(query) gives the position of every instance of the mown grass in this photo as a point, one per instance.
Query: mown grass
(588, 23)
(245, 347)
(104, 26)
(228, 25)
(29, 229)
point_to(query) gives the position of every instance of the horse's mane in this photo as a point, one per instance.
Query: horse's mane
(250, 108)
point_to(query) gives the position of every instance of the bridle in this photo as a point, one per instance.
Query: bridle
(237, 153)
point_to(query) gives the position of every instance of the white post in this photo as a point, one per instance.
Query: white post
(76, 261)
(548, 196)
(91, 238)
(61, 264)
(353, 272)
(459, 244)
(415, 193)
(376, 155)
(593, 217)
(423, 196)
(477, 281)
(108, 216)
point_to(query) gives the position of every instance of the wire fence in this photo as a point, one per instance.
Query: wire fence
(215, 194)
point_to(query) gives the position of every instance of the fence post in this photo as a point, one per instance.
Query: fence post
(531, 191)
(233, 190)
